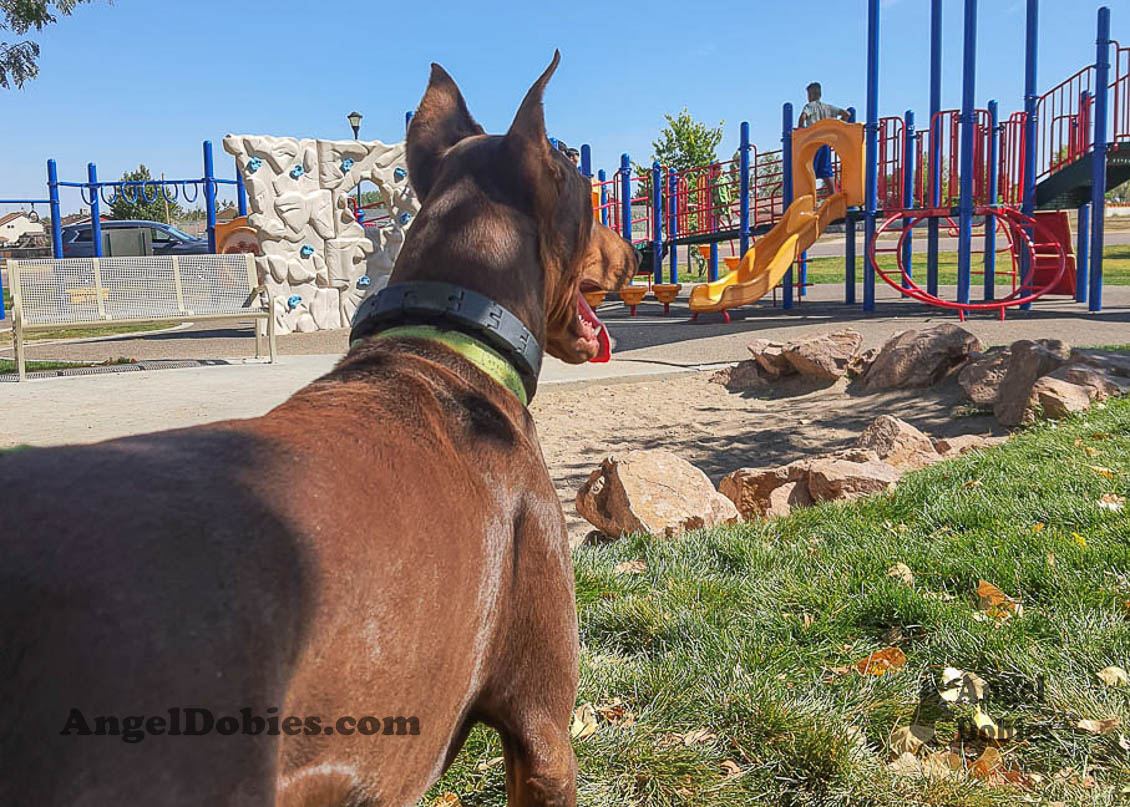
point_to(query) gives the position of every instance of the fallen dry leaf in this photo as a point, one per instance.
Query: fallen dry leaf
(961, 687)
(630, 567)
(910, 739)
(584, 722)
(995, 602)
(1123, 743)
(486, 765)
(972, 483)
(447, 800)
(901, 572)
(881, 662)
(1079, 539)
(731, 769)
(616, 712)
(1038, 527)
(1112, 502)
(1099, 726)
(1114, 676)
(942, 764)
(986, 764)
(906, 764)
(1105, 472)
(699, 737)
(989, 729)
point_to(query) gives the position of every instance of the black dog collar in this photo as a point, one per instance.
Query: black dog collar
(459, 309)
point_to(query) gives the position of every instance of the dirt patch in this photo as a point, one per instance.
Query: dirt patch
(721, 431)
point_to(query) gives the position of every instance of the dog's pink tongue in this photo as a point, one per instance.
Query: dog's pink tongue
(604, 353)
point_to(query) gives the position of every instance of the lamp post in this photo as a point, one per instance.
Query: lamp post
(354, 119)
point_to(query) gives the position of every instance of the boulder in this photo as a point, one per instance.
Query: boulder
(861, 362)
(920, 358)
(823, 357)
(783, 499)
(960, 444)
(1058, 398)
(898, 443)
(1100, 383)
(833, 478)
(745, 375)
(770, 355)
(651, 491)
(751, 489)
(982, 375)
(1028, 361)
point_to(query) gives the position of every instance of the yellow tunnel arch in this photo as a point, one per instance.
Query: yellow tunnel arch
(846, 139)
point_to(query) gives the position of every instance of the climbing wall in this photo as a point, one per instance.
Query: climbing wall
(317, 260)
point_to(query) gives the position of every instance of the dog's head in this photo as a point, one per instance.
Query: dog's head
(509, 216)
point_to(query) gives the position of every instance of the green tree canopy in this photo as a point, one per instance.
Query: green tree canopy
(18, 60)
(685, 143)
(128, 207)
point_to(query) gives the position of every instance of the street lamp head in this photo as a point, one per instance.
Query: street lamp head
(354, 119)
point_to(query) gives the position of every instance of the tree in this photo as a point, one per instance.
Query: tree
(18, 59)
(145, 202)
(686, 143)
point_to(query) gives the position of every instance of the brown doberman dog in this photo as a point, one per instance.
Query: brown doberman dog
(315, 606)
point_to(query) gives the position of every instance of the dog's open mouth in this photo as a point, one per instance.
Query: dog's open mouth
(594, 335)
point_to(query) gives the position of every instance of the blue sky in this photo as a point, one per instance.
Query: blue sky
(148, 80)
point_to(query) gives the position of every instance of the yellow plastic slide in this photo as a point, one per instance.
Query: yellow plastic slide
(765, 264)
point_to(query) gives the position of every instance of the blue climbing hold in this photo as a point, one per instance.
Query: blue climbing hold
(297, 171)
(306, 251)
(254, 164)
(346, 164)
(405, 217)
(364, 281)
(399, 173)
(293, 301)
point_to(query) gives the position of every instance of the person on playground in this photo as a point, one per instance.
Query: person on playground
(817, 110)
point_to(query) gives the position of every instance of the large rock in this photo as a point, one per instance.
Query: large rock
(771, 357)
(982, 375)
(782, 500)
(824, 357)
(750, 488)
(651, 491)
(920, 358)
(861, 362)
(960, 444)
(1100, 383)
(898, 443)
(745, 375)
(1028, 361)
(1057, 398)
(832, 478)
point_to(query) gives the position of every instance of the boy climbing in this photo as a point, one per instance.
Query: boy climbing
(817, 110)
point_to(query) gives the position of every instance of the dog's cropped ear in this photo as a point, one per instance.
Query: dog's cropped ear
(441, 121)
(527, 132)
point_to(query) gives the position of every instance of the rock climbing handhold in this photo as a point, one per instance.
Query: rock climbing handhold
(254, 164)
(399, 173)
(293, 301)
(297, 171)
(346, 164)
(364, 281)
(405, 217)
(306, 251)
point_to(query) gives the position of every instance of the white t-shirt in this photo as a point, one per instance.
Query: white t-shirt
(818, 110)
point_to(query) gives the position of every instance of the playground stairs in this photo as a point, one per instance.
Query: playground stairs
(1070, 186)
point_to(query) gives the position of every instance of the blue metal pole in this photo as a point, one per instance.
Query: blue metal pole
(1028, 199)
(586, 160)
(1098, 174)
(673, 228)
(1082, 253)
(408, 119)
(713, 268)
(968, 127)
(210, 194)
(95, 209)
(849, 243)
(602, 178)
(787, 191)
(990, 285)
(909, 139)
(626, 197)
(56, 216)
(935, 144)
(240, 192)
(743, 188)
(657, 222)
(872, 155)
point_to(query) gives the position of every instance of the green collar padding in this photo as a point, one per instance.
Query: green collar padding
(485, 358)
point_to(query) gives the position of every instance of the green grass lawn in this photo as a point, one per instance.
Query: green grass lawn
(9, 365)
(733, 636)
(84, 333)
(1116, 268)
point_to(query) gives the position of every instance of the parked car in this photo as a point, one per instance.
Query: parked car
(78, 239)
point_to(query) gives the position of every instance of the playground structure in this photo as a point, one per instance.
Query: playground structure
(314, 253)
(1018, 175)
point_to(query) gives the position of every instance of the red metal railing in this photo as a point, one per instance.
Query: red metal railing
(766, 188)
(705, 201)
(1058, 117)
(890, 158)
(1011, 184)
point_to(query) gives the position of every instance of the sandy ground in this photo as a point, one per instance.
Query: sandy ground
(720, 431)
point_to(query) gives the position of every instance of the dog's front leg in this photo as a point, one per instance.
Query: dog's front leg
(541, 770)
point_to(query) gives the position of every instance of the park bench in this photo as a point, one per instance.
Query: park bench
(50, 294)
